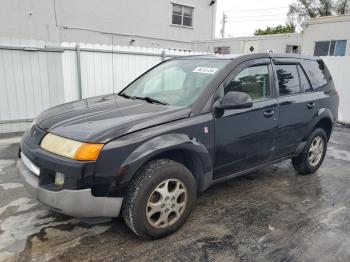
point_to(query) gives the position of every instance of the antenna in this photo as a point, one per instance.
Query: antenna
(224, 21)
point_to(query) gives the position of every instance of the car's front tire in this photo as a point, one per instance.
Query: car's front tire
(311, 158)
(159, 199)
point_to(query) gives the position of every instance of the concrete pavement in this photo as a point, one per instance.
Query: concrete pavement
(269, 215)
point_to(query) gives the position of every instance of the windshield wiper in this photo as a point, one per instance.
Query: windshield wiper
(126, 96)
(150, 100)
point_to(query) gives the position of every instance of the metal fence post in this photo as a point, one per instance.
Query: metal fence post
(163, 55)
(80, 90)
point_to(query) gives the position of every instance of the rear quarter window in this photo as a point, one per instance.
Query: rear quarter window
(316, 73)
(288, 79)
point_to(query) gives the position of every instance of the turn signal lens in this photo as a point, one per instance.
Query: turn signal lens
(88, 152)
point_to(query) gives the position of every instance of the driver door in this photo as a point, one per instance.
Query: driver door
(245, 138)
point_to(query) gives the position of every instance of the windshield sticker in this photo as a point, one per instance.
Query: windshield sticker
(205, 70)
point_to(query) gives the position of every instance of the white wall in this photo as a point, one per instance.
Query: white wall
(326, 29)
(241, 45)
(146, 21)
(339, 68)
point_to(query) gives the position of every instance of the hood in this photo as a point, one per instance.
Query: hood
(103, 118)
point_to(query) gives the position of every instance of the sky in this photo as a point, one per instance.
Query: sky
(244, 16)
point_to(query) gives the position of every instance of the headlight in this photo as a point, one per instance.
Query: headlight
(70, 148)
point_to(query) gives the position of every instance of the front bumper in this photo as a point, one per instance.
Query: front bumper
(77, 203)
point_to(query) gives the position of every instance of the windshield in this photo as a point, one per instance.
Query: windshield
(175, 82)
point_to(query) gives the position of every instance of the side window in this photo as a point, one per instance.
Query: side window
(315, 72)
(288, 80)
(253, 81)
(304, 83)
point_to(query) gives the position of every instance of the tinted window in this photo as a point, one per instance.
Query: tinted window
(304, 83)
(253, 81)
(340, 48)
(331, 48)
(315, 72)
(288, 79)
(321, 48)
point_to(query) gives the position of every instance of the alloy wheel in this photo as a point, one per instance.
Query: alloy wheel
(316, 151)
(166, 203)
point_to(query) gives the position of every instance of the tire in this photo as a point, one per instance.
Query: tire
(150, 188)
(303, 163)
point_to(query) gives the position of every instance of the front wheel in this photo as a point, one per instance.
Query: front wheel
(159, 199)
(311, 158)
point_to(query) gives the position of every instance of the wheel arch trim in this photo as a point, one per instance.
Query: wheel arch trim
(167, 143)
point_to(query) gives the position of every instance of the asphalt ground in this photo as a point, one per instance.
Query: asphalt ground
(273, 214)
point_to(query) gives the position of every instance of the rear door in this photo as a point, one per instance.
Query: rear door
(297, 105)
(245, 138)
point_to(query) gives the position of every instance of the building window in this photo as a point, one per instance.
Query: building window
(293, 49)
(182, 15)
(330, 48)
(222, 50)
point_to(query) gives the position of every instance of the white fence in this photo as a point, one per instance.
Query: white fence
(339, 67)
(35, 75)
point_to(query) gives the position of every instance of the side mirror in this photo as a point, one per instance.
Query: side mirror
(234, 100)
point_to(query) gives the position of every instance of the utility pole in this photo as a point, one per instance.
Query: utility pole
(224, 21)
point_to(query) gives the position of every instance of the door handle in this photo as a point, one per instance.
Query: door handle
(269, 113)
(311, 105)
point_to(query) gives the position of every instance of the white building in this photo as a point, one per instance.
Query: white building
(279, 43)
(327, 36)
(324, 36)
(150, 23)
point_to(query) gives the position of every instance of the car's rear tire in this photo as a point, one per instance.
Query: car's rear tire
(311, 158)
(159, 199)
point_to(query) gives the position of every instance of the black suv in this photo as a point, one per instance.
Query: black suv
(182, 126)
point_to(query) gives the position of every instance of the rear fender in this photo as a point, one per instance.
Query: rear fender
(321, 115)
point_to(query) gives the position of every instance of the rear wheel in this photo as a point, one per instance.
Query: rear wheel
(311, 158)
(159, 199)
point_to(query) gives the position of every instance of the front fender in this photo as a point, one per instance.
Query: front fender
(121, 158)
(165, 143)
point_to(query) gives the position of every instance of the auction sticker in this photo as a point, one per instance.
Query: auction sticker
(205, 70)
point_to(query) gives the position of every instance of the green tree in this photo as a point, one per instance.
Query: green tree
(342, 7)
(280, 29)
(325, 7)
(302, 10)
